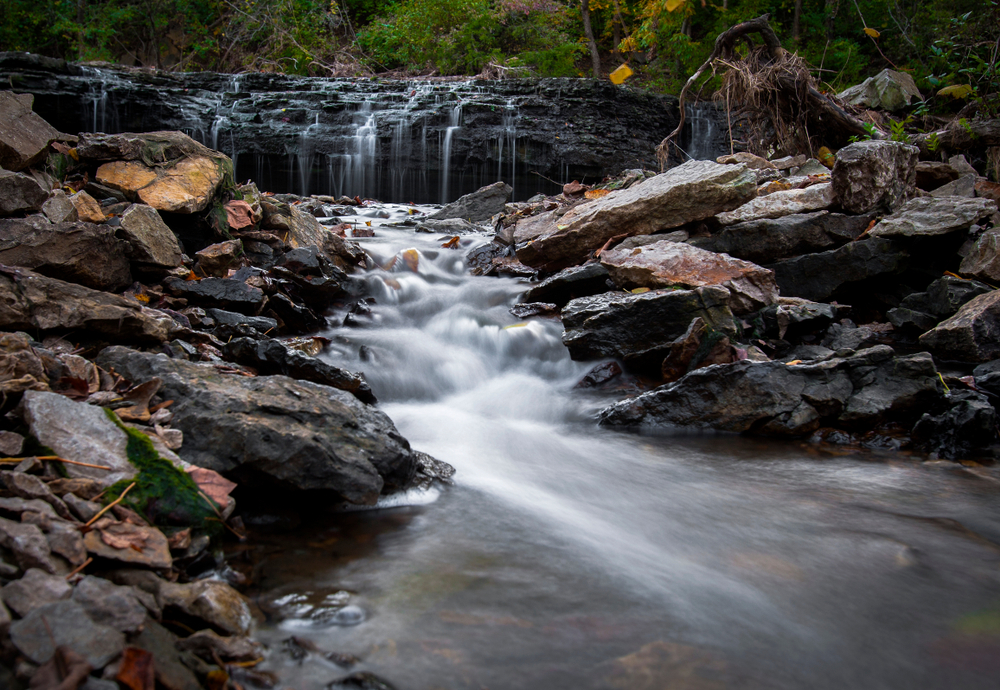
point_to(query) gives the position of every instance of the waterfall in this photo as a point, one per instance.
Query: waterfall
(453, 126)
(304, 159)
(363, 159)
(703, 137)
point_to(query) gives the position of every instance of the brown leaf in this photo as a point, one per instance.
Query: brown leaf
(596, 193)
(136, 671)
(124, 535)
(412, 259)
(452, 243)
(180, 540)
(239, 214)
(213, 484)
(574, 188)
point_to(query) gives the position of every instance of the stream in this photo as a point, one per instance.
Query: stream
(569, 556)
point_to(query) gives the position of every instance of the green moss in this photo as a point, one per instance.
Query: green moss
(163, 493)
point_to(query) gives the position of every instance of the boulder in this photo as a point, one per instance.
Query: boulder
(888, 90)
(965, 186)
(673, 264)
(641, 326)
(87, 208)
(983, 261)
(859, 391)
(65, 623)
(943, 297)
(972, 334)
(932, 174)
(768, 240)
(478, 206)
(226, 293)
(210, 601)
(82, 253)
(296, 433)
(109, 604)
(568, 284)
(699, 347)
(274, 357)
(217, 259)
(305, 231)
(690, 192)
(151, 244)
(875, 175)
(791, 318)
(748, 159)
(932, 216)
(987, 190)
(782, 203)
(36, 588)
(59, 209)
(32, 302)
(153, 553)
(817, 277)
(79, 432)
(19, 193)
(961, 423)
(24, 136)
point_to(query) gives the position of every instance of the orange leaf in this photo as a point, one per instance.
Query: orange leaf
(412, 259)
(596, 193)
(238, 214)
(452, 243)
(136, 669)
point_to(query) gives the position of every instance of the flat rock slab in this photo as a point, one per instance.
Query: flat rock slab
(150, 241)
(69, 625)
(79, 432)
(300, 434)
(24, 135)
(618, 324)
(674, 264)
(224, 293)
(972, 334)
(983, 262)
(171, 671)
(932, 216)
(83, 253)
(19, 193)
(690, 192)
(816, 277)
(480, 205)
(568, 284)
(772, 398)
(35, 303)
(782, 203)
(771, 239)
(155, 552)
(186, 187)
(36, 588)
(875, 175)
(109, 604)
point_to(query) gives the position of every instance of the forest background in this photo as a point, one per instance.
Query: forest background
(941, 43)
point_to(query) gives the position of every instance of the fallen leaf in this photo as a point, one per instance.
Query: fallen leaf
(136, 669)
(180, 540)
(368, 223)
(794, 362)
(956, 91)
(239, 214)
(412, 259)
(639, 290)
(596, 193)
(452, 243)
(620, 75)
(674, 4)
(213, 484)
(872, 32)
(124, 535)
(826, 157)
(192, 276)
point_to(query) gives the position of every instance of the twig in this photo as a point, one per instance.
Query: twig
(110, 505)
(210, 502)
(76, 571)
(55, 458)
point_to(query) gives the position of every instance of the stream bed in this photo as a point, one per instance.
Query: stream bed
(568, 556)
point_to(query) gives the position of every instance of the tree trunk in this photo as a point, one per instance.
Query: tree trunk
(831, 14)
(797, 21)
(595, 57)
(79, 31)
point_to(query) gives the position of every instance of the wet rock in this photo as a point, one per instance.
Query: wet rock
(305, 261)
(972, 334)
(452, 226)
(24, 136)
(155, 552)
(363, 680)
(208, 644)
(818, 276)
(261, 324)
(19, 193)
(888, 90)
(631, 326)
(781, 203)
(693, 191)
(188, 186)
(699, 347)
(59, 209)
(32, 302)
(210, 601)
(964, 422)
(673, 264)
(297, 433)
(81, 253)
(30, 487)
(304, 230)
(792, 317)
(29, 546)
(930, 216)
(526, 310)
(109, 604)
(87, 208)
(79, 432)
(297, 318)
(151, 243)
(478, 206)
(224, 293)
(273, 357)
(772, 398)
(316, 291)
(964, 186)
(875, 175)
(35, 589)
(171, 667)
(600, 375)
(65, 623)
(943, 297)
(983, 261)
(217, 259)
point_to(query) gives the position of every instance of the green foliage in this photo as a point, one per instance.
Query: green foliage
(163, 493)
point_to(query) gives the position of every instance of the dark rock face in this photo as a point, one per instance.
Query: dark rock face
(228, 293)
(964, 421)
(570, 283)
(767, 240)
(82, 253)
(558, 127)
(480, 205)
(943, 297)
(772, 398)
(972, 334)
(24, 136)
(19, 193)
(300, 434)
(635, 327)
(818, 276)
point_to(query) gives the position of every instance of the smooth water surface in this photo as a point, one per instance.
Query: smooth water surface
(568, 556)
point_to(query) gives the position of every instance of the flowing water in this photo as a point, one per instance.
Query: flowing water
(568, 556)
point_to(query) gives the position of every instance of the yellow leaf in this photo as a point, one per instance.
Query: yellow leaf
(561, 227)
(674, 4)
(794, 362)
(826, 157)
(368, 223)
(956, 91)
(596, 193)
(639, 291)
(872, 32)
(515, 325)
(412, 259)
(620, 74)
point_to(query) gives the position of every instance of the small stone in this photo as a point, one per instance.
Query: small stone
(65, 623)
(207, 644)
(59, 209)
(31, 487)
(30, 547)
(87, 208)
(11, 444)
(65, 540)
(217, 259)
(965, 186)
(84, 510)
(215, 603)
(109, 604)
(81, 486)
(750, 160)
(21, 505)
(961, 164)
(150, 241)
(30, 465)
(35, 589)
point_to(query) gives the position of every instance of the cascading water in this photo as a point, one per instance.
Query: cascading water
(568, 556)
(454, 124)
